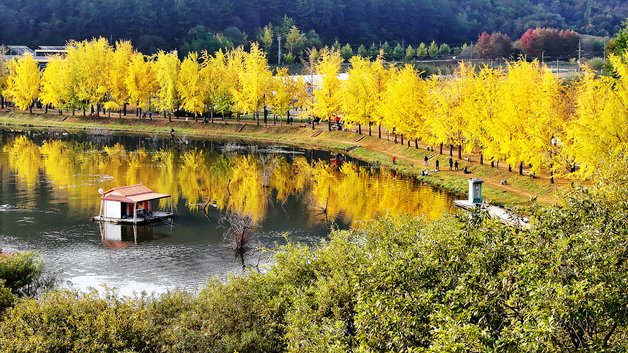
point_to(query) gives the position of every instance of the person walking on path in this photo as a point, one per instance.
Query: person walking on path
(451, 163)
(394, 159)
(456, 165)
(425, 159)
(437, 165)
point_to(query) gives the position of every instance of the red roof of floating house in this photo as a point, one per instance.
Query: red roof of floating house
(132, 194)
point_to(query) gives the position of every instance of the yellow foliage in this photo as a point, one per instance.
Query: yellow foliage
(23, 82)
(328, 96)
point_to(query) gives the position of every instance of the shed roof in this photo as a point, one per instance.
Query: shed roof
(132, 194)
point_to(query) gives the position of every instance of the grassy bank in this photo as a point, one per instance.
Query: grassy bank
(500, 187)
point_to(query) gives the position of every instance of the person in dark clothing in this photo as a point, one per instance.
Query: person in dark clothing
(456, 165)
(437, 165)
(451, 163)
(171, 133)
(425, 159)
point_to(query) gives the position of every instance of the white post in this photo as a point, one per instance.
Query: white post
(135, 212)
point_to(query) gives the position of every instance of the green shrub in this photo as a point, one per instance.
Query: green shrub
(21, 271)
(595, 64)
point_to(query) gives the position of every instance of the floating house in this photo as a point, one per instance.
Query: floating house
(132, 204)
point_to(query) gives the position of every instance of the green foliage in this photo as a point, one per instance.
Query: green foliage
(7, 298)
(373, 51)
(164, 24)
(432, 50)
(619, 44)
(595, 64)
(346, 52)
(21, 271)
(421, 51)
(362, 51)
(409, 54)
(444, 49)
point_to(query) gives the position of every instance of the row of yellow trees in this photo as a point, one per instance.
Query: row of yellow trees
(523, 114)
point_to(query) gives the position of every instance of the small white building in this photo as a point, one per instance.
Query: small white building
(132, 204)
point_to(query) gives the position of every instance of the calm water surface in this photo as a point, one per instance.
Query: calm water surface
(48, 193)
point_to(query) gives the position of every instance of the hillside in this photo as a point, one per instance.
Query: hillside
(168, 24)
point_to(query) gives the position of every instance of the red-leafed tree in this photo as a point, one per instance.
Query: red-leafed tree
(491, 46)
(548, 41)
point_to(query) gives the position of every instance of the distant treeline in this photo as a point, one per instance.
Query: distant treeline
(170, 24)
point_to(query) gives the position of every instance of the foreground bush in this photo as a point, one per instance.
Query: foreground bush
(396, 285)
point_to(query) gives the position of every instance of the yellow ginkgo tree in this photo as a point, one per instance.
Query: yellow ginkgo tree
(254, 83)
(23, 82)
(358, 95)
(89, 63)
(167, 68)
(327, 94)
(118, 93)
(189, 85)
(600, 125)
(141, 81)
(56, 84)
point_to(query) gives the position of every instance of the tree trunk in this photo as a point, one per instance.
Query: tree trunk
(408, 142)
(46, 109)
(379, 132)
(211, 115)
(416, 144)
(492, 164)
(520, 168)
(265, 115)
(83, 111)
(30, 109)
(509, 167)
(2, 102)
(370, 124)
(441, 148)
(288, 117)
(124, 109)
(481, 159)
(395, 135)
(551, 174)
(329, 124)
(169, 117)
(459, 151)
(402, 139)
(257, 118)
(451, 150)
(360, 129)
(120, 113)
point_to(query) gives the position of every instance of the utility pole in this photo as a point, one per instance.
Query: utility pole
(279, 50)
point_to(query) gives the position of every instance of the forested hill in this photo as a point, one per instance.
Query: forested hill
(166, 24)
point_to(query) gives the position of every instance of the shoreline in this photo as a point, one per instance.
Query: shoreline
(517, 190)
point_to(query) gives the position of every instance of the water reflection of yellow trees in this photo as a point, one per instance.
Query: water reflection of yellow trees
(245, 184)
